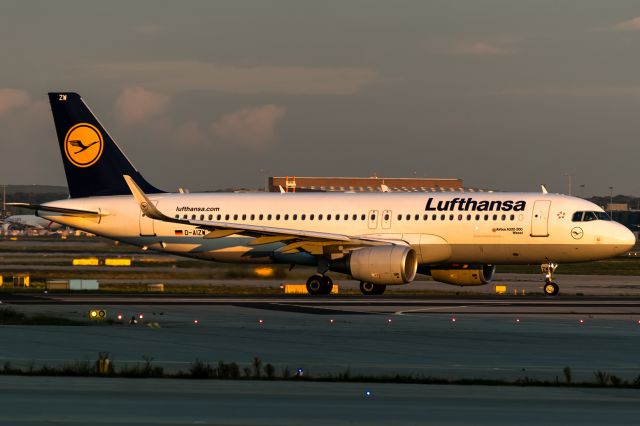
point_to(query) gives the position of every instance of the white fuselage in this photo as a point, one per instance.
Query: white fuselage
(491, 228)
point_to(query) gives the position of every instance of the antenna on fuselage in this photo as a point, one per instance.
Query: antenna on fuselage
(544, 189)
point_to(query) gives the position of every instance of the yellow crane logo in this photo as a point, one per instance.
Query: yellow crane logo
(83, 145)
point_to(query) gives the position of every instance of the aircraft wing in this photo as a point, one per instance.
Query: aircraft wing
(69, 212)
(297, 239)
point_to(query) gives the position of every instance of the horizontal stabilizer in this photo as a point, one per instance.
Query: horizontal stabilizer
(53, 209)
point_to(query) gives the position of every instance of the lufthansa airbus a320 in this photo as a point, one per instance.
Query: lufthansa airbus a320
(379, 239)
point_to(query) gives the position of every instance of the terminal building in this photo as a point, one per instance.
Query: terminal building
(366, 184)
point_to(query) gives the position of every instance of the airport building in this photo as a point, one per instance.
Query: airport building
(360, 184)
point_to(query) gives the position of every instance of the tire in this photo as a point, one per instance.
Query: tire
(316, 285)
(370, 289)
(551, 289)
(327, 285)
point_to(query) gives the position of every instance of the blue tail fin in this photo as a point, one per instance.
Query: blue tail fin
(93, 163)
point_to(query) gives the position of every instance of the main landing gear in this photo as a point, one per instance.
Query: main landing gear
(319, 284)
(370, 289)
(550, 288)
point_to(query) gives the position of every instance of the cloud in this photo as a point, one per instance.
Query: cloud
(630, 25)
(195, 75)
(251, 127)
(191, 133)
(11, 99)
(482, 47)
(136, 105)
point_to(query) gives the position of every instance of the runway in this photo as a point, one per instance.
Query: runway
(350, 305)
(502, 338)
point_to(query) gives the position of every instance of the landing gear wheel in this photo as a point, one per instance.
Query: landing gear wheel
(370, 289)
(319, 284)
(327, 285)
(551, 289)
(315, 284)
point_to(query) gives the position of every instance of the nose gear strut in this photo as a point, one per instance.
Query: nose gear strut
(550, 288)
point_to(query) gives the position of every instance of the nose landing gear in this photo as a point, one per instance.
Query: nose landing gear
(550, 288)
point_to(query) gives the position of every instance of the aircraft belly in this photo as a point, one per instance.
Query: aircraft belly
(514, 254)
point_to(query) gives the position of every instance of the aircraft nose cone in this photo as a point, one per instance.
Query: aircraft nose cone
(624, 238)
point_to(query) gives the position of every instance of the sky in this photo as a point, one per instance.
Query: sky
(215, 94)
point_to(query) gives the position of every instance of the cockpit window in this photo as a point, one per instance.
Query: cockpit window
(589, 216)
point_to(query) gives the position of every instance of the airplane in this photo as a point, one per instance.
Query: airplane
(30, 221)
(380, 239)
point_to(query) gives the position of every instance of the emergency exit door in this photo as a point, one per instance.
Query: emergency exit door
(540, 218)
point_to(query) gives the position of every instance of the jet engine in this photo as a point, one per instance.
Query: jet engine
(380, 265)
(465, 275)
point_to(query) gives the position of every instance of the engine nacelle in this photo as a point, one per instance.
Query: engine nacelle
(465, 275)
(383, 265)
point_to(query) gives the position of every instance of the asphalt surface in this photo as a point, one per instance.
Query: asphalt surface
(83, 401)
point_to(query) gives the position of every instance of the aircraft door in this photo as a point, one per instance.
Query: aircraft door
(147, 225)
(386, 219)
(540, 218)
(373, 219)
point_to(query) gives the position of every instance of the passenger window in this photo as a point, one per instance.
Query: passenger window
(434, 217)
(477, 217)
(386, 216)
(303, 217)
(253, 217)
(210, 217)
(320, 216)
(329, 216)
(373, 217)
(177, 216)
(268, 217)
(184, 216)
(260, 216)
(417, 217)
(504, 217)
(226, 217)
(408, 217)
(286, 216)
(425, 217)
(468, 217)
(486, 217)
(219, 217)
(244, 217)
(337, 217)
(346, 217)
(295, 217)
(459, 217)
(495, 217)
(278, 216)
(193, 217)
(512, 217)
(311, 216)
(443, 217)
(362, 216)
(399, 217)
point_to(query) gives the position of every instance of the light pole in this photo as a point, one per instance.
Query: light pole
(582, 191)
(568, 175)
(610, 197)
